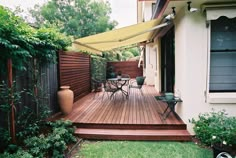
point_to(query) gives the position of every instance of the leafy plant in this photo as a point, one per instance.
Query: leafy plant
(20, 42)
(98, 68)
(4, 138)
(53, 143)
(29, 123)
(215, 128)
(18, 154)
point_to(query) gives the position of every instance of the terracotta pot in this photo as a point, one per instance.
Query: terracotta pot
(65, 99)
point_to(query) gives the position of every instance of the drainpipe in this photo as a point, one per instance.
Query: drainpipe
(143, 11)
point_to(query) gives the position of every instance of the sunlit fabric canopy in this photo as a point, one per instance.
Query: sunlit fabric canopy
(119, 37)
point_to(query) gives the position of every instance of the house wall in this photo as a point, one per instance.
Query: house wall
(144, 10)
(191, 59)
(151, 67)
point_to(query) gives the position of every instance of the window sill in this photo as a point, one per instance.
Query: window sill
(227, 98)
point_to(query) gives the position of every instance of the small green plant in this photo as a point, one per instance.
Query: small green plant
(18, 154)
(53, 143)
(29, 123)
(4, 138)
(215, 128)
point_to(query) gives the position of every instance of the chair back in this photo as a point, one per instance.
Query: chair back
(125, 76)
(140, 80)
(96, 84)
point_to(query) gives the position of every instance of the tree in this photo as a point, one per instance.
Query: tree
(78, 18)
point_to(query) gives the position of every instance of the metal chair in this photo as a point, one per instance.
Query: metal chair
(96, 85)
(108, 89)
(138, 83)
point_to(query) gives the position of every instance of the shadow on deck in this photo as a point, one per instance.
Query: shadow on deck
(136, 118)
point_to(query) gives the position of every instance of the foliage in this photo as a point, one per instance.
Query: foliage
(19, 154)
(4, 138)
(77, 18)
(98, 68)
(142, 149)
(53, 143)
(134, 51)
(215, 127)
(7, 94)
(20, 42)
(112, 56)
(127, 55)
(122, 55)
(29, 123)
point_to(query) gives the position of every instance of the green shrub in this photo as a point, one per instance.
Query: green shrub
(19, 154)
(215, 128)
(98, 68)
(54, 143)
(4, 138)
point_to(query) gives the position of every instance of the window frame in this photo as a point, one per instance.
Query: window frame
(215, 97)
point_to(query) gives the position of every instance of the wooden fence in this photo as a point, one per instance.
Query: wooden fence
(127, 67)
(75, 72)
(47, 86)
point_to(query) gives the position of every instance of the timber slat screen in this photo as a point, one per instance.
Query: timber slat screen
(127, 67)
(75, 72)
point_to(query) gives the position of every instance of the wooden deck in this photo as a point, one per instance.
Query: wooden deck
(136, 118)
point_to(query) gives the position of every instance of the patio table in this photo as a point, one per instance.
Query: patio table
(119, 84)
(170, 105)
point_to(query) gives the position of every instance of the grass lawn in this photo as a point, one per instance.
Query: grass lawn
(141, 149)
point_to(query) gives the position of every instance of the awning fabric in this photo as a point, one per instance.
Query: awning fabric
(119, 37)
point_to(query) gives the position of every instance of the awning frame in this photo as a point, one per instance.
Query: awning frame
(107, 41)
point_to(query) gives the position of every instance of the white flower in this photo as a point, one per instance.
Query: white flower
(213, 137)
(197, 127)
(224, 142)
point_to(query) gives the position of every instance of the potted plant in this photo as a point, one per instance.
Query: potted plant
(110, 72)
(218, 130)
(119, 74)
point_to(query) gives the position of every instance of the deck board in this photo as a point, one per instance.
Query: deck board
(137, 109)
(136, 118)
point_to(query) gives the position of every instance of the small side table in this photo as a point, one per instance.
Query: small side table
(170, 105)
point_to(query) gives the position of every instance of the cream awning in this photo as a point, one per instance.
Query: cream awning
(119, 37)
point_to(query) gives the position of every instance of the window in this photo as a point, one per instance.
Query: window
(223, 55)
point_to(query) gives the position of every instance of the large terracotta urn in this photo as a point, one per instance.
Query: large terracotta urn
(65, 99)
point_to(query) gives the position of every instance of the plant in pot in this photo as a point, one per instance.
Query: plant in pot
(110, 72)
(119, 74)
(218, 130)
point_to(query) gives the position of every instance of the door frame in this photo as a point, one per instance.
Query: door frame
(168, 61)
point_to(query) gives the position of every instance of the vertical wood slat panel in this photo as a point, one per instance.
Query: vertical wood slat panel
(75, 72)
(127, 67)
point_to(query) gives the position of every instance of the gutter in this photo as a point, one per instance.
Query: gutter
(160, 7)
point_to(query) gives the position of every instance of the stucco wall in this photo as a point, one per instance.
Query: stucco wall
(191, 50)
(151, 68)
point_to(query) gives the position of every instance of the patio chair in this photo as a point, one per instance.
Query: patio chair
(96, 85)
(108, 88)
(138, 83)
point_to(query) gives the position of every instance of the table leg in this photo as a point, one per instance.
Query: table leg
(171, 106)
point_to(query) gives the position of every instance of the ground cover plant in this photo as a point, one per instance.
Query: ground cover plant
(141, 149)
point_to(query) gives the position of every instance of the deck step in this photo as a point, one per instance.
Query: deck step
(134, 134)
(132, 126)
